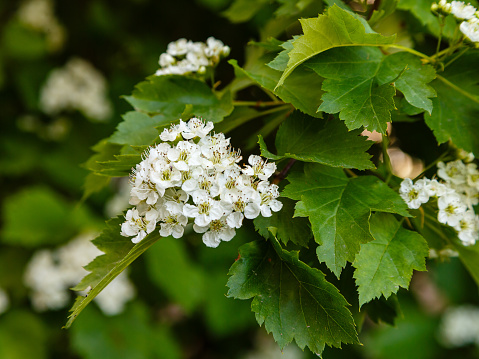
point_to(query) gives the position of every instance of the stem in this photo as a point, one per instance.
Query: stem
(412, 51)
(458, 89)
(258, 103)
(244, 119)
(432, 164)
(441, 28)
(458, 56)
(350, 172)
(282, 175)
(386, 159)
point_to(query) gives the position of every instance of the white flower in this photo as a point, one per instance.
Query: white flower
(217, 231)
(196, 128)
(454, 172)
(76, 86)
(413, 195)
(166, 60)
(137, 225)
(197, 179)
(460, 326)
(50, 274)
(470, 29)
(269, 193)
(178, 47)
(205, 210)
(451, 209)
(462, 11)
(184, 155)
(173, 225)
(467, 227)
(259, 168)
(187, 57)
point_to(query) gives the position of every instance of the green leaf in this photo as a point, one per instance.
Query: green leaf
(280, 62)
(304, 98)
(296, 230)
(385, 9)
(336, 28)
(138, 129)
(339, 208)
(171, 95)
(96, 336)
(456, 107)
(352, 87)
(323, 141)
(293, 300)
(265, 152)
(119, 251)
(387, 263)
(413, 78)
(121, 166)
(171, 269)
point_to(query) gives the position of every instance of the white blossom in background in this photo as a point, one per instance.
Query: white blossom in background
(456, 195)
(194, 177)
(39, 15)
(459, 326)
(50, 274)
(466, 14)
(4, 301)
(76, 86)
(185, 57)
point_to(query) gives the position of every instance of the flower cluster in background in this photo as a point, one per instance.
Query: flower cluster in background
(466, 14)
(185, 57)
(39, 15)
(456, 195)
(195, 175)
(76, 86)
(50, 274)
(460, 326)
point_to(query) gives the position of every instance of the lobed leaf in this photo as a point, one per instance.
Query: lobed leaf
(304, 98)
(387, 263)
(456, 107)
(360, 84)
(170, 95)
(293, 300)
(339, 208)
(322, 141)
(288, 228)
(138, 129)
(337, 28)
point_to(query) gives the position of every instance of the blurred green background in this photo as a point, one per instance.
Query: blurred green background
(178, 306)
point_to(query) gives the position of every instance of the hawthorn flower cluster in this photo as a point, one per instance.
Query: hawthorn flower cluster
(456, 195)
(460, 326)
(466, 14)
(50, 274)
(39, 15)
(194, 176)
(76, 86)
(185, 57)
